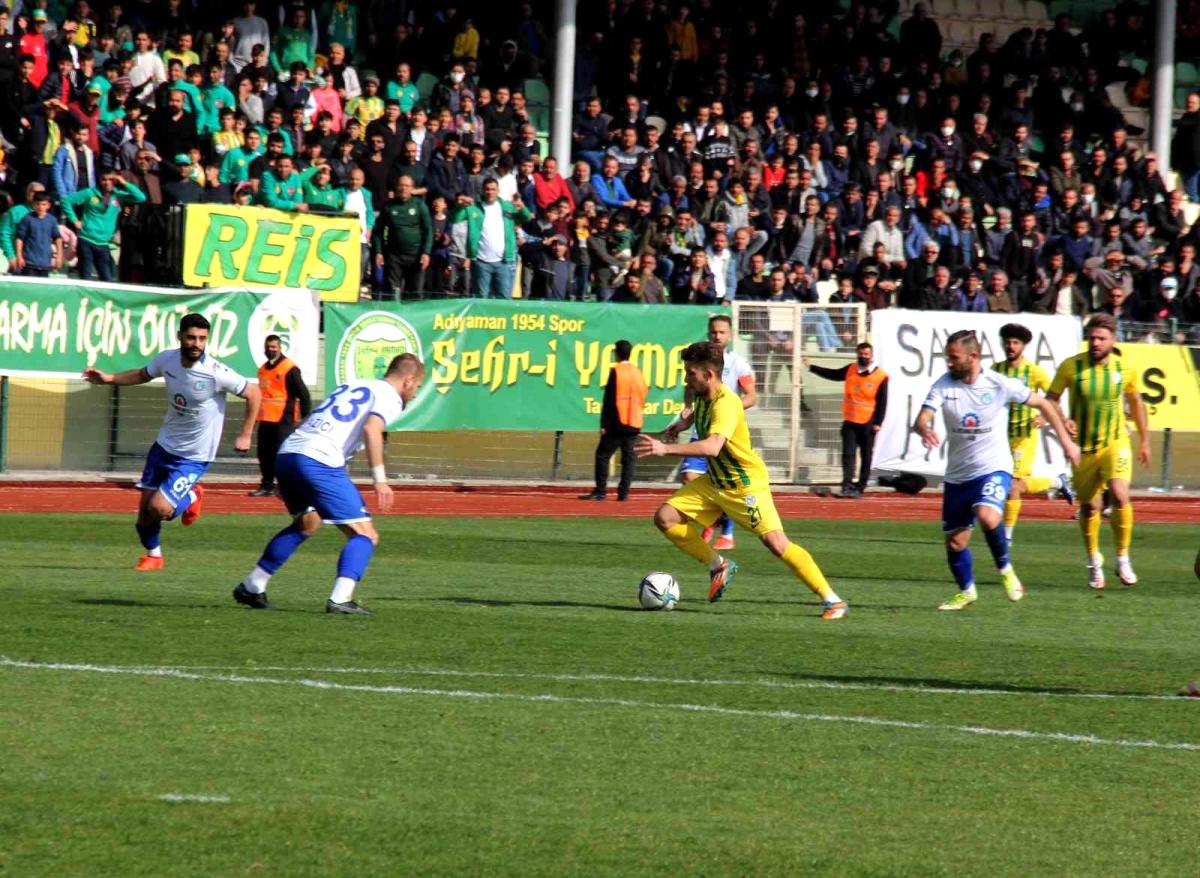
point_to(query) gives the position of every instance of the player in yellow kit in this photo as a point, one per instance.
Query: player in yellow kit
(1024, 427)
(1100, 386)
(736, 483)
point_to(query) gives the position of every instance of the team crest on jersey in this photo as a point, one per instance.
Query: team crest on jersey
(201, 385)
(987, 399)
(180, 403)
(970, 421)
(751, 501)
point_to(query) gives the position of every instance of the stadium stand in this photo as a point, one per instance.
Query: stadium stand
(1008, 133)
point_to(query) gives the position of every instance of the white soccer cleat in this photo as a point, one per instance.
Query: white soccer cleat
(1096, 573)
(1125, 571)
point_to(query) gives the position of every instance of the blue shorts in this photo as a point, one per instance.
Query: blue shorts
(698, 465)
(308, 484)
(173, 475)
(959, 501)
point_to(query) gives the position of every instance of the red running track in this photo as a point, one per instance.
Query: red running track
(557, 502)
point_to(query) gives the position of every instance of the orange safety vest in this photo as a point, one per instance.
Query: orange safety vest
(631, 394)
(858, 405)
(272, 381)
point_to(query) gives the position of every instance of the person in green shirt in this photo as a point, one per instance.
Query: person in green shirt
(402, 240)
(214, 97)
(491, 239)
(93, 213)
(319, 191)
(235, 166)
(8, 222)
(283, 188)
(293, 43)
(402, 89)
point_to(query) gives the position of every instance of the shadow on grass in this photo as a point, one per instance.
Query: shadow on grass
(917, 683)
(162, 605)
(491, 602)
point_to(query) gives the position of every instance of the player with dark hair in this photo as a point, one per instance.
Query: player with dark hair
(1024, 426)
(1101, 386)
(285, 403)
(736, 483)
(311, 469)
(191, 431)
(974, 403)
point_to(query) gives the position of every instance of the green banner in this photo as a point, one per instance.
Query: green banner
(56, 329)
(502, 365)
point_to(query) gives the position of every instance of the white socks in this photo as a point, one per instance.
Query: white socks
(715, 564)
(156, 552)
(256, 581)
(343, 590)
(1008, 532)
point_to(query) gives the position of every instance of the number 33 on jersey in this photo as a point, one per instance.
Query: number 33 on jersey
(333, 431)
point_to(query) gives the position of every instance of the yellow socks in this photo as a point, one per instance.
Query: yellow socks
(806, 569)
(688, 539)
(1090, 525)
(1038, 484)
(1122, 525)
(1012, 511)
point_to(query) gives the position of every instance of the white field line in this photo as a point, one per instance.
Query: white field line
(546, 698)
(679, 681)
(189, 797)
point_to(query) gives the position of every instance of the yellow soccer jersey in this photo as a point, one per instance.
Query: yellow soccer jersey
(1020, 417)
(736, 465)
(1097, 398)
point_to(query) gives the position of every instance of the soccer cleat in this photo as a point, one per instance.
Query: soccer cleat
(149, 562)
(193, 512)
(960, 601)
(1125, 572)
(1012, 585)
(349, 608)
(1096, 573)
(250, 599)
(834, 610)
(723, 543)
(720, 579)
(707, 534)
(1066, 491)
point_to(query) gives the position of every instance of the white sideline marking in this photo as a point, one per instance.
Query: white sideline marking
(1023, 734)
(188, 797)
(686, 681)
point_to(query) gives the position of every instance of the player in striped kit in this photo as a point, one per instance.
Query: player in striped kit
(1024, 426)
(191, 431)
(1100, 386)
(311, 471)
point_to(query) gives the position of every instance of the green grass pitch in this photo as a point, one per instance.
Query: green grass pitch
(510, 712)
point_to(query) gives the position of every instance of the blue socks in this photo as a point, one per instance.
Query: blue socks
(962, 566)
(281, 547)
(998, 542)
(183, 505)
(149, 534)
(355, 557)
(726, 527)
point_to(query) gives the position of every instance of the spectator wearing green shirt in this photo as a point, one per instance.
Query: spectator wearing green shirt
(403, 240)
(214, 97)
(178, 81)
(235, 166)
(94, 212)
(403, 90)
(8, 222)
(293, 43)
(283, 188)
(321, 194)
(491, 239)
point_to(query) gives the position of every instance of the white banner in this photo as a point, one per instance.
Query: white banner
(909, 346)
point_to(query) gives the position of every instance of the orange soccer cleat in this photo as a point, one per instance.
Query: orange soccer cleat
(193, 512)
(149, 562)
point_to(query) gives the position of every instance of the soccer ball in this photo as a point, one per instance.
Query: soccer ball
(658, 591)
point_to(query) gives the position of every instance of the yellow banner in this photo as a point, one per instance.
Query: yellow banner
(1168, 383)
(256, 246)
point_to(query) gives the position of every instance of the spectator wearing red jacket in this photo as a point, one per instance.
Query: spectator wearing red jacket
(549, 186)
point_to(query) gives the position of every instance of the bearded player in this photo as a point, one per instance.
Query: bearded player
(1101, 386)
(1024, 427)
(735, 484)
(974, 404)
(191, 431)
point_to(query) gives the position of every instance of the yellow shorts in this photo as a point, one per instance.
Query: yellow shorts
(751, 508)
(1095, 470)
(1024, 452)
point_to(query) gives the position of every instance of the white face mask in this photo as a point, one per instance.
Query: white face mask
(1168, 293)
(812, 92)
(903, 99)
(1088, 198)
(456, 77)
(947, 192)
(1077, 107)
(947, 131)
(976, 165)
(898, 165)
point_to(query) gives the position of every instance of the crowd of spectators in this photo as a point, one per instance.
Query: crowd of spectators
(719, 150)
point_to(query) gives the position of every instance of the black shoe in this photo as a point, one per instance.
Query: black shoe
(250, 599)
(621, 498)
(349, 608)
(263, 492)
(595, 495)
